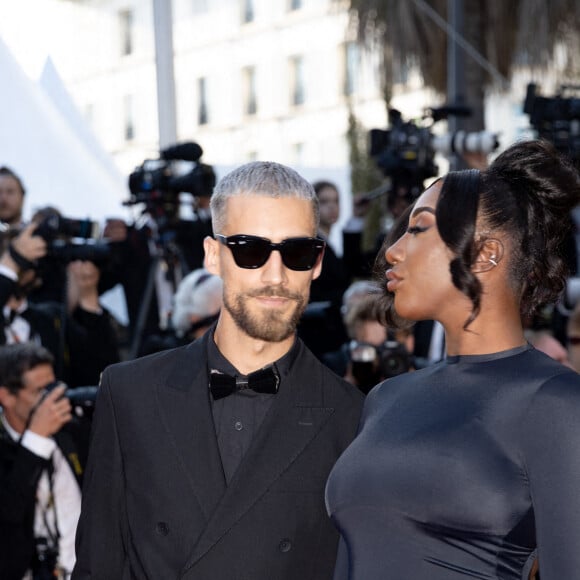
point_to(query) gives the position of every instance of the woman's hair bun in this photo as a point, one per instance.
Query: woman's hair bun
(536, 168)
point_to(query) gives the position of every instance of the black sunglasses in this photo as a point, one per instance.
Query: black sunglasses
(253, 252)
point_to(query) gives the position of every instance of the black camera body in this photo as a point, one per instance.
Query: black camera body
(70, 239)
(556, 119)
(406, 151)
(157, 183)
(54, 226)
(82, 399)
(372, 364)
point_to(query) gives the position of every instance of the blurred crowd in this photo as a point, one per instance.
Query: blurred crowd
(51, 289)
(57, 332)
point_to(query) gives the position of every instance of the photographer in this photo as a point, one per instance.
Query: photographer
(41, 465)
(372, 354)
(80, 334)
(149, 267)
(11, 197)
(152, 255)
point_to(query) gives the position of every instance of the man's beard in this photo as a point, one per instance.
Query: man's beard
(10, 216)
(269, 325)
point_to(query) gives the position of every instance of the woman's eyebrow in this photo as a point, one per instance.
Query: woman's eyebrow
(418, 210)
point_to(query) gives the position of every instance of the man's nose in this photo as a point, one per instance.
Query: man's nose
(273, 271)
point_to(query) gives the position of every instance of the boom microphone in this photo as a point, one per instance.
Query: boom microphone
(188, 151)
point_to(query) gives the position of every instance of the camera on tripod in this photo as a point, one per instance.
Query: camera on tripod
(556, 119)
(157, 183)
(406, 151)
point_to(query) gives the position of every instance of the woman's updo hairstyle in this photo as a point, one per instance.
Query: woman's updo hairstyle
(527, 195)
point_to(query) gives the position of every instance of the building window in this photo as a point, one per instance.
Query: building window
(202, 111)
(128, 118)
(249, 90)
(248, 11)
(297, 88)
(126, 25)
(295, 4)
(351, 67)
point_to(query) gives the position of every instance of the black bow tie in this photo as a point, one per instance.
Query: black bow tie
(266, 380)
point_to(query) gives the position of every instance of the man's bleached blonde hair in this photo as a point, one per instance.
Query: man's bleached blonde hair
(265, 178)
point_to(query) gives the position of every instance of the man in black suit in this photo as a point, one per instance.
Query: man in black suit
(40, 467)
(209, 461)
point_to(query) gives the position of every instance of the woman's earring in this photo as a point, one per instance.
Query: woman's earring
(492, 260)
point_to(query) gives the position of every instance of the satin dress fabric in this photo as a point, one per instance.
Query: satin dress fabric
(460, 470)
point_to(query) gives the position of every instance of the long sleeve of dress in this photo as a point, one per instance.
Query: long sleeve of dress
(551, 446)
(341, 568)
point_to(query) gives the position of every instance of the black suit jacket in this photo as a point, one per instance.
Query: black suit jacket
(155, 501)
(20, 470)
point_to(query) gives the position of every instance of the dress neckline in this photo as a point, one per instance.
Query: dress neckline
(481, 358)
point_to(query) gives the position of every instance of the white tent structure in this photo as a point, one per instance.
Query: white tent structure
(54, 88)
(59, 166)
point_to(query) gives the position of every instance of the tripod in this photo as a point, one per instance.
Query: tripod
(167, 255)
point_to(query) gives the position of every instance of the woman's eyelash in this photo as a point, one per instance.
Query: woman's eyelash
(415, 230)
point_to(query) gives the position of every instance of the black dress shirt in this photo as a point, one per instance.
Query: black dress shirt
(238, 417)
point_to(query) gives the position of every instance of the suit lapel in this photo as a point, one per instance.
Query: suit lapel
(186, 415)
(295, 419)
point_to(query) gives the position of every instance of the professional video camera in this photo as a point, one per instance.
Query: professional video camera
(71, 239)
(556, 119)
(157, 183)
(406, 151)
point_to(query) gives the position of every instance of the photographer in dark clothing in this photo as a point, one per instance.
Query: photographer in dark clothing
(42, 454)
(80, 334)
(149, 263)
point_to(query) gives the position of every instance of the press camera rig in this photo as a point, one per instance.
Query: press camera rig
(557, 118)
(406, 151)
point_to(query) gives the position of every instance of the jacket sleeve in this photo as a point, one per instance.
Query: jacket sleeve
(102, 529)
(551, 447)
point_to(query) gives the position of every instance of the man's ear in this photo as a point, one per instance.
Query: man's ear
(489, 256)
(318, 266)
(211, 259)
(5, 397)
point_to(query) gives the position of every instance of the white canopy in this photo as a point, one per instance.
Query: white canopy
(50, 151)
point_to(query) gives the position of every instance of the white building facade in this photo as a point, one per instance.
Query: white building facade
(262, 79)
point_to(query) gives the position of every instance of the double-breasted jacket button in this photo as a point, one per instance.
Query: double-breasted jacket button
(285, 545)
(162, 528)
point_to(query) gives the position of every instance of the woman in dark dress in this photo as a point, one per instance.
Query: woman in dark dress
(470, 468)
